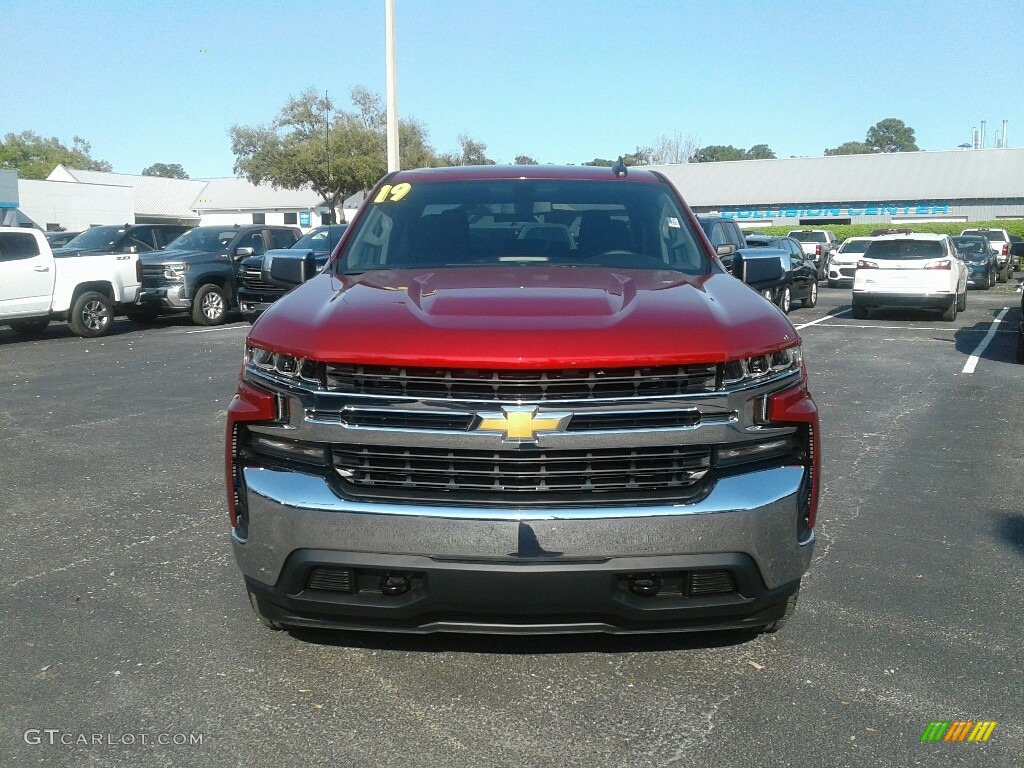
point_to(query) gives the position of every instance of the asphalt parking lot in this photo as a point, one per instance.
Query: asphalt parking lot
(123, 613)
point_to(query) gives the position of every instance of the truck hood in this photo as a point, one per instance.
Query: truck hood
(522, 317)
(168, 257)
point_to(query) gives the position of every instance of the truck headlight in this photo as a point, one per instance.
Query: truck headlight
(285, 366)
(752, 369)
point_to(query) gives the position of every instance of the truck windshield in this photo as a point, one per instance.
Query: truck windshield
(210, 239)
(808, 237)
(96, 237)
(506, 222)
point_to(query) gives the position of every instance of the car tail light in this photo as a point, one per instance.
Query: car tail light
(796, 406)
(862, 264)
(250, 404)
(944, 264)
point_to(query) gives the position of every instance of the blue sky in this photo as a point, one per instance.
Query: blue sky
(562, 81)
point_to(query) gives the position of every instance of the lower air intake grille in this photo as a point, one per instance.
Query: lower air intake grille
(711, 583)
(331, 579)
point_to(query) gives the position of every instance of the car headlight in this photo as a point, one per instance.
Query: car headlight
(285, 366)
(752, 369)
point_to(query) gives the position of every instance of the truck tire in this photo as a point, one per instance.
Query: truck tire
(1004, 274)
(91, 315)
(961, 305)
(812, 299)
(33, 327)
(210, 306)
(778, 624)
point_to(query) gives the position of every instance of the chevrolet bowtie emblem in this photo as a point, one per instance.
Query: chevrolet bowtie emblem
(521, 424)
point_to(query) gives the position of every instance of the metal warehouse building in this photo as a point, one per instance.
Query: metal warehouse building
(893, 188)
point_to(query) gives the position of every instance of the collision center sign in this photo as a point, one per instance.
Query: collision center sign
(867, 209)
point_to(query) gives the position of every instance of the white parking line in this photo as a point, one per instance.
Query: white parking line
(222, 328)
(972, 361)
(823, 319)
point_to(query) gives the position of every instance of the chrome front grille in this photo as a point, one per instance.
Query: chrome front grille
(518, 477)
(250, 278)
(516, 386)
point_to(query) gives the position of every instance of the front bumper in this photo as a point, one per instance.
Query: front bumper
(165, 297)
(525, 571)
(978, 275)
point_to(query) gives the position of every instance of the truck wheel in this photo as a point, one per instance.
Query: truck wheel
(33, 327)
(268, 623)
(778, 624)
(1004, 274)
(91, 315)
(811, 300)
(949, 313)
(786, 300)
(210, 306)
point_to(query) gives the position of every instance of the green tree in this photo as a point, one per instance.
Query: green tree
(34, 157)
(850, 148)
(717, 153)
(640, 156)
(298, 149)
(891, 135)
(760, 152)
(525, 160)
(470, 152)
(167, 171)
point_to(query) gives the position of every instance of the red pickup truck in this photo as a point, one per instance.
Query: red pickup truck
(522, 400)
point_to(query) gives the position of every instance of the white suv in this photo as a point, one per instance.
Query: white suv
(916, 270)
(1000, 240)
(843, 265)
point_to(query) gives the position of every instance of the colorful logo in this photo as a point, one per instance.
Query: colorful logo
(959, 730)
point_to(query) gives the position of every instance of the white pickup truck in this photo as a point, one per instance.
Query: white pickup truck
(819, 245)
(86, 290)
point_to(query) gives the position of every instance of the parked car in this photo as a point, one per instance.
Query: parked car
(454, 429)
(917, 270)
(843, 265)
(1000, 240)
(255, 295)
(198, 273)
(126, 238)
(801, 274)
(981, 259)
(818, 244)
(60, 239)
(86, 290)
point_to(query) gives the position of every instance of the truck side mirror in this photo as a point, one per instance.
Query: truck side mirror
(244, 252)
(758, 270)
(725, 249)
(285, 270)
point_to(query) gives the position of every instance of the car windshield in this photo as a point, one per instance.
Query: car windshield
(97, 237)
(509, 222)
(904, 250)
(210, 239)
(808, 237)
(854, 246)
(971, 244)
(321, 239)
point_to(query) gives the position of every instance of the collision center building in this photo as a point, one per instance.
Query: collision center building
(886, 188)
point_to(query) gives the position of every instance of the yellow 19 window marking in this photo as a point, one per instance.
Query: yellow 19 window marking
(393, 194)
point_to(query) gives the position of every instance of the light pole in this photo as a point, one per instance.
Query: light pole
(392, 90)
